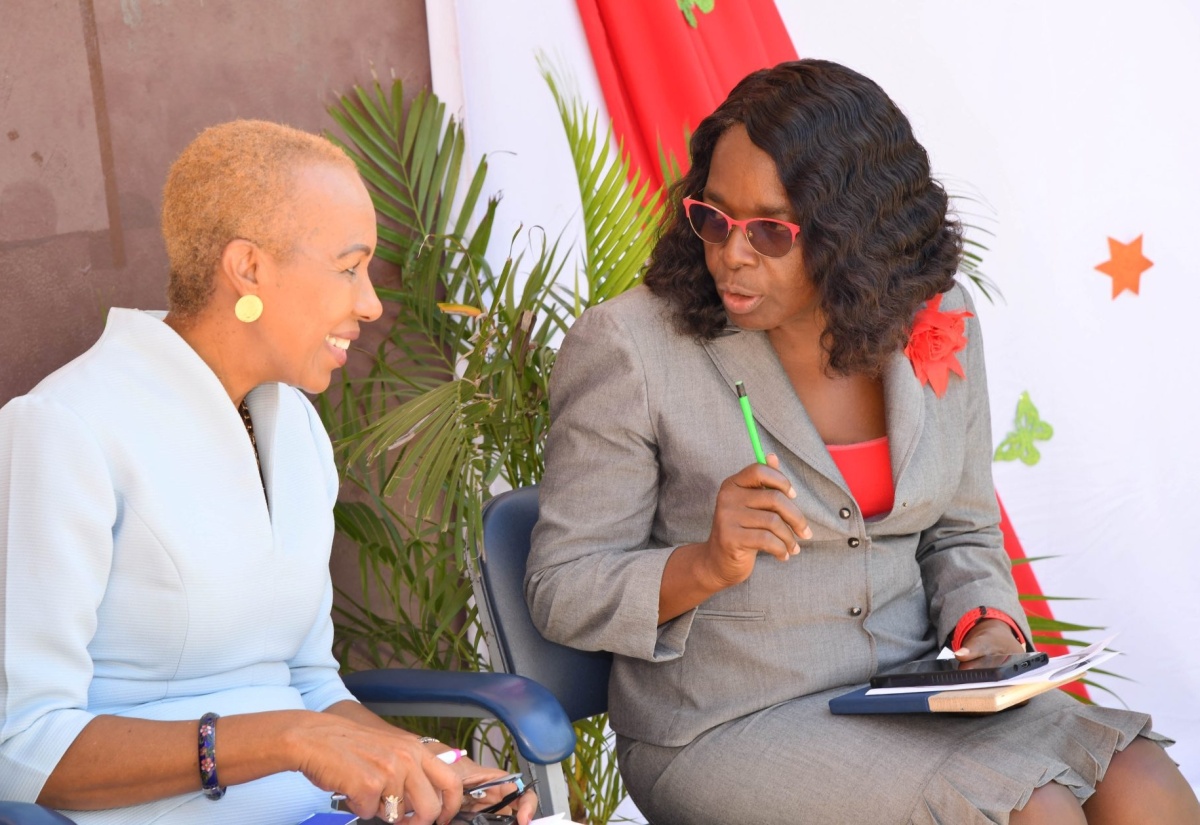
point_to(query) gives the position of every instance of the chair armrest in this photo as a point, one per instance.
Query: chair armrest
(26, 813)
(537, 722)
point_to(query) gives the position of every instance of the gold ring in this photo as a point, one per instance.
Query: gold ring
(391, 807)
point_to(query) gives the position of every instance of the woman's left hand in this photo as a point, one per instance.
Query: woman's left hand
(990, 636)
(472, 774)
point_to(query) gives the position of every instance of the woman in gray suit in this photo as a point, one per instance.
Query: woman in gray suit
(809, 257)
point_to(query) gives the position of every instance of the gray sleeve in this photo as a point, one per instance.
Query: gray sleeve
(962, 557)
(593, 580)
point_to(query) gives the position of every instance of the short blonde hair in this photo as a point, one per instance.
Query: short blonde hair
(234, 180)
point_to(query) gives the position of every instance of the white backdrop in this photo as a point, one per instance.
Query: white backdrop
(1073, 121)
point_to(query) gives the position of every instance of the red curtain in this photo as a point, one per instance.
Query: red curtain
(661, 76)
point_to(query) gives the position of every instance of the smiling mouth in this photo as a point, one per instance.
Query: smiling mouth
(340, 343)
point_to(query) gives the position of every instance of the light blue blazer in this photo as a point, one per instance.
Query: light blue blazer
(144, 574)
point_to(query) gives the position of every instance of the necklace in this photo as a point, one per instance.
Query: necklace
(244, 411)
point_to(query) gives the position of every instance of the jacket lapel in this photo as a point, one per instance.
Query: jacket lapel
(904, 401)
(748, 356)
(263, 403)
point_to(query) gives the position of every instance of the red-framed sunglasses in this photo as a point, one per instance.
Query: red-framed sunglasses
(766, 235)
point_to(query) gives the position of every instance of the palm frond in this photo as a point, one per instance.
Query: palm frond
(1041, 624)
(971, 262)
(622, 209)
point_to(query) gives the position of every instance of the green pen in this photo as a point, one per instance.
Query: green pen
(748, 414)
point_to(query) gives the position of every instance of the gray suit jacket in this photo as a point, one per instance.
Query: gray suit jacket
(646, 426)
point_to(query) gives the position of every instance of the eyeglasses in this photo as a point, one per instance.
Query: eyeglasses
(767, 236)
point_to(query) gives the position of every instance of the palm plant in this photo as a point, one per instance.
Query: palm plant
(414, 606)
(455, 398)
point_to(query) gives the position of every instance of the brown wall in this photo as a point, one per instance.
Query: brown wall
(98, 96)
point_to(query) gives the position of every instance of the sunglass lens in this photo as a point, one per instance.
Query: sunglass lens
(771, 238)
(708, 223)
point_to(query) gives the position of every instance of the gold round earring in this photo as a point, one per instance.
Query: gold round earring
(248, 308)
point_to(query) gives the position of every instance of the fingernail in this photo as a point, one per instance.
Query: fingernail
(795, 549)
(791, 493)
(962, 651)
(807, 534)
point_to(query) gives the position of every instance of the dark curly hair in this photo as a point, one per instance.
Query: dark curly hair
(876, 238)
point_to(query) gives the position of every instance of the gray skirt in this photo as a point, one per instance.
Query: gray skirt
(797, 764)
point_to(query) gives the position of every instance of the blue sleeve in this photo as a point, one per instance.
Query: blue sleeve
(314, 668)
(57, 508)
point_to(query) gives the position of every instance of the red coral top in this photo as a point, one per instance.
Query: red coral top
(867, 468)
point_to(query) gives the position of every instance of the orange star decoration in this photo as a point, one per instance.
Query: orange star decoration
(1125, 265)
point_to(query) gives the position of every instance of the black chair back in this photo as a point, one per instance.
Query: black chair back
(578, 679)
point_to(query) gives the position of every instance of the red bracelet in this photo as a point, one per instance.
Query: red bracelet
(974, 617)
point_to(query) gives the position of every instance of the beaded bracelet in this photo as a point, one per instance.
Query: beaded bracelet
(208, 757)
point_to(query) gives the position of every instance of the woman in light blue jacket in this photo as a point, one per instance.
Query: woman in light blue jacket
(166, 509)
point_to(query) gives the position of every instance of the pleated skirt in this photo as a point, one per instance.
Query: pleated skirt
(797, 764)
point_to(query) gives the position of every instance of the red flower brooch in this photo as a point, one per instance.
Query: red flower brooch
(936, 338)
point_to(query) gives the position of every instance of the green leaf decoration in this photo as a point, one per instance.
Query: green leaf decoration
(1019, 444)
(687, 6)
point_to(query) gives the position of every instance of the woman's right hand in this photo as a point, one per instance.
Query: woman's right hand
(368, 763)
(120, 761)
(755, 513)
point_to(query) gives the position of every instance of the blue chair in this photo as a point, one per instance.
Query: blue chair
(576, 681)
(540, 689)
(26, 813)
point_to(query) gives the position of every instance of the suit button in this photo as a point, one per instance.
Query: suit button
(856, 611)
(853, 541)
(844, 512)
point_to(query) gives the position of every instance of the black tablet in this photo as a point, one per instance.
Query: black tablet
(938, 672)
